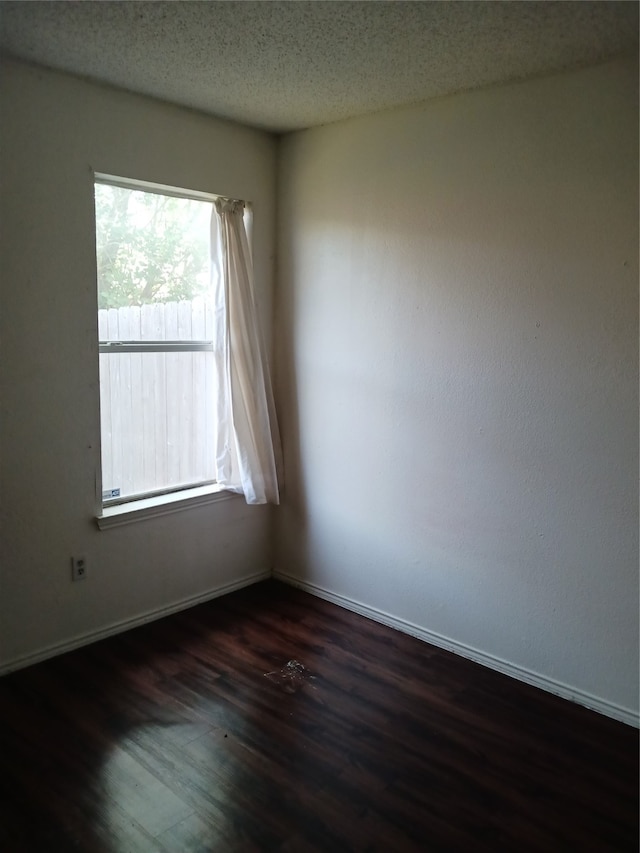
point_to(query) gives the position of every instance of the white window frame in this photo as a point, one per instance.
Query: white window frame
(116, 511)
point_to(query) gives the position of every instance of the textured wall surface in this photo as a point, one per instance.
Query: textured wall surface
(55, 130)
(458, 371)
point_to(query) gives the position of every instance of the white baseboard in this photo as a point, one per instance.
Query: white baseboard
(127, 624)
(594, 703)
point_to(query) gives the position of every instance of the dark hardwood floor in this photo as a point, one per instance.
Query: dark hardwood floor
(171, 738)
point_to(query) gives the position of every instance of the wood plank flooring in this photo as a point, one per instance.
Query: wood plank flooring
(171, 738)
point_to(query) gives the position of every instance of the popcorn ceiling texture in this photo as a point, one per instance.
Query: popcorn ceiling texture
(286, 66)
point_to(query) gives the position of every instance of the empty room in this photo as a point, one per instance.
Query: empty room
(319, 426)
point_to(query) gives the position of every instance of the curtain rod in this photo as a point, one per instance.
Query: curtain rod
(160, 189)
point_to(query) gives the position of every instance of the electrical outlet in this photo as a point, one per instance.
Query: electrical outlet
(78, 568)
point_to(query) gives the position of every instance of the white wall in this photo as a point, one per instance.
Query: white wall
(55, 130)
(458, 373)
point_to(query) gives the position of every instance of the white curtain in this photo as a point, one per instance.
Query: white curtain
(248, 454)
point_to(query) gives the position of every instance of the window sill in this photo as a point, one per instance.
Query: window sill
(134, 511)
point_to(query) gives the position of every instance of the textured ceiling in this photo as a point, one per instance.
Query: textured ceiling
(284, 66)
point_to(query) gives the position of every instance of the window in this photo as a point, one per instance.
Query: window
(155, 325)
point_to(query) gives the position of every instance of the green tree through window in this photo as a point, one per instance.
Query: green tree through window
(150, 247)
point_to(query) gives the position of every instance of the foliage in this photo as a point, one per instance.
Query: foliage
(150, 247)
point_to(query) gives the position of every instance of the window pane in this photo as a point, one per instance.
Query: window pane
(157, 420)
(151, 249)
(157, 408)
